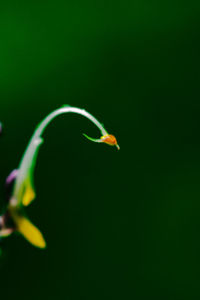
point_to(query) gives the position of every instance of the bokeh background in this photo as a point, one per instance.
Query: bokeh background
(119, 225)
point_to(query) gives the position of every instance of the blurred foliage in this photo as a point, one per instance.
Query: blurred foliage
(119, 225)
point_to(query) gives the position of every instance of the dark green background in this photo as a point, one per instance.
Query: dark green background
(119, 225)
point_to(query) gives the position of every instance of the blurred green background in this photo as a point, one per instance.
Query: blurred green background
(119, 225)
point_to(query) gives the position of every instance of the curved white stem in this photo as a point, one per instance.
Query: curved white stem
(27, 164)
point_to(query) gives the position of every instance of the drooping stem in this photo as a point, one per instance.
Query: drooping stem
(67, 109)
(27, 164)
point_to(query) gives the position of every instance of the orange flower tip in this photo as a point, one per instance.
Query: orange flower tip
(110, 140)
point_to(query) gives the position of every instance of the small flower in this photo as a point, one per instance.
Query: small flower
(19, 184)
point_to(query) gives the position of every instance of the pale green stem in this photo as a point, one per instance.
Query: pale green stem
(26, 166)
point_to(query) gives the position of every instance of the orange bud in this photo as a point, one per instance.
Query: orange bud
(110, 140)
